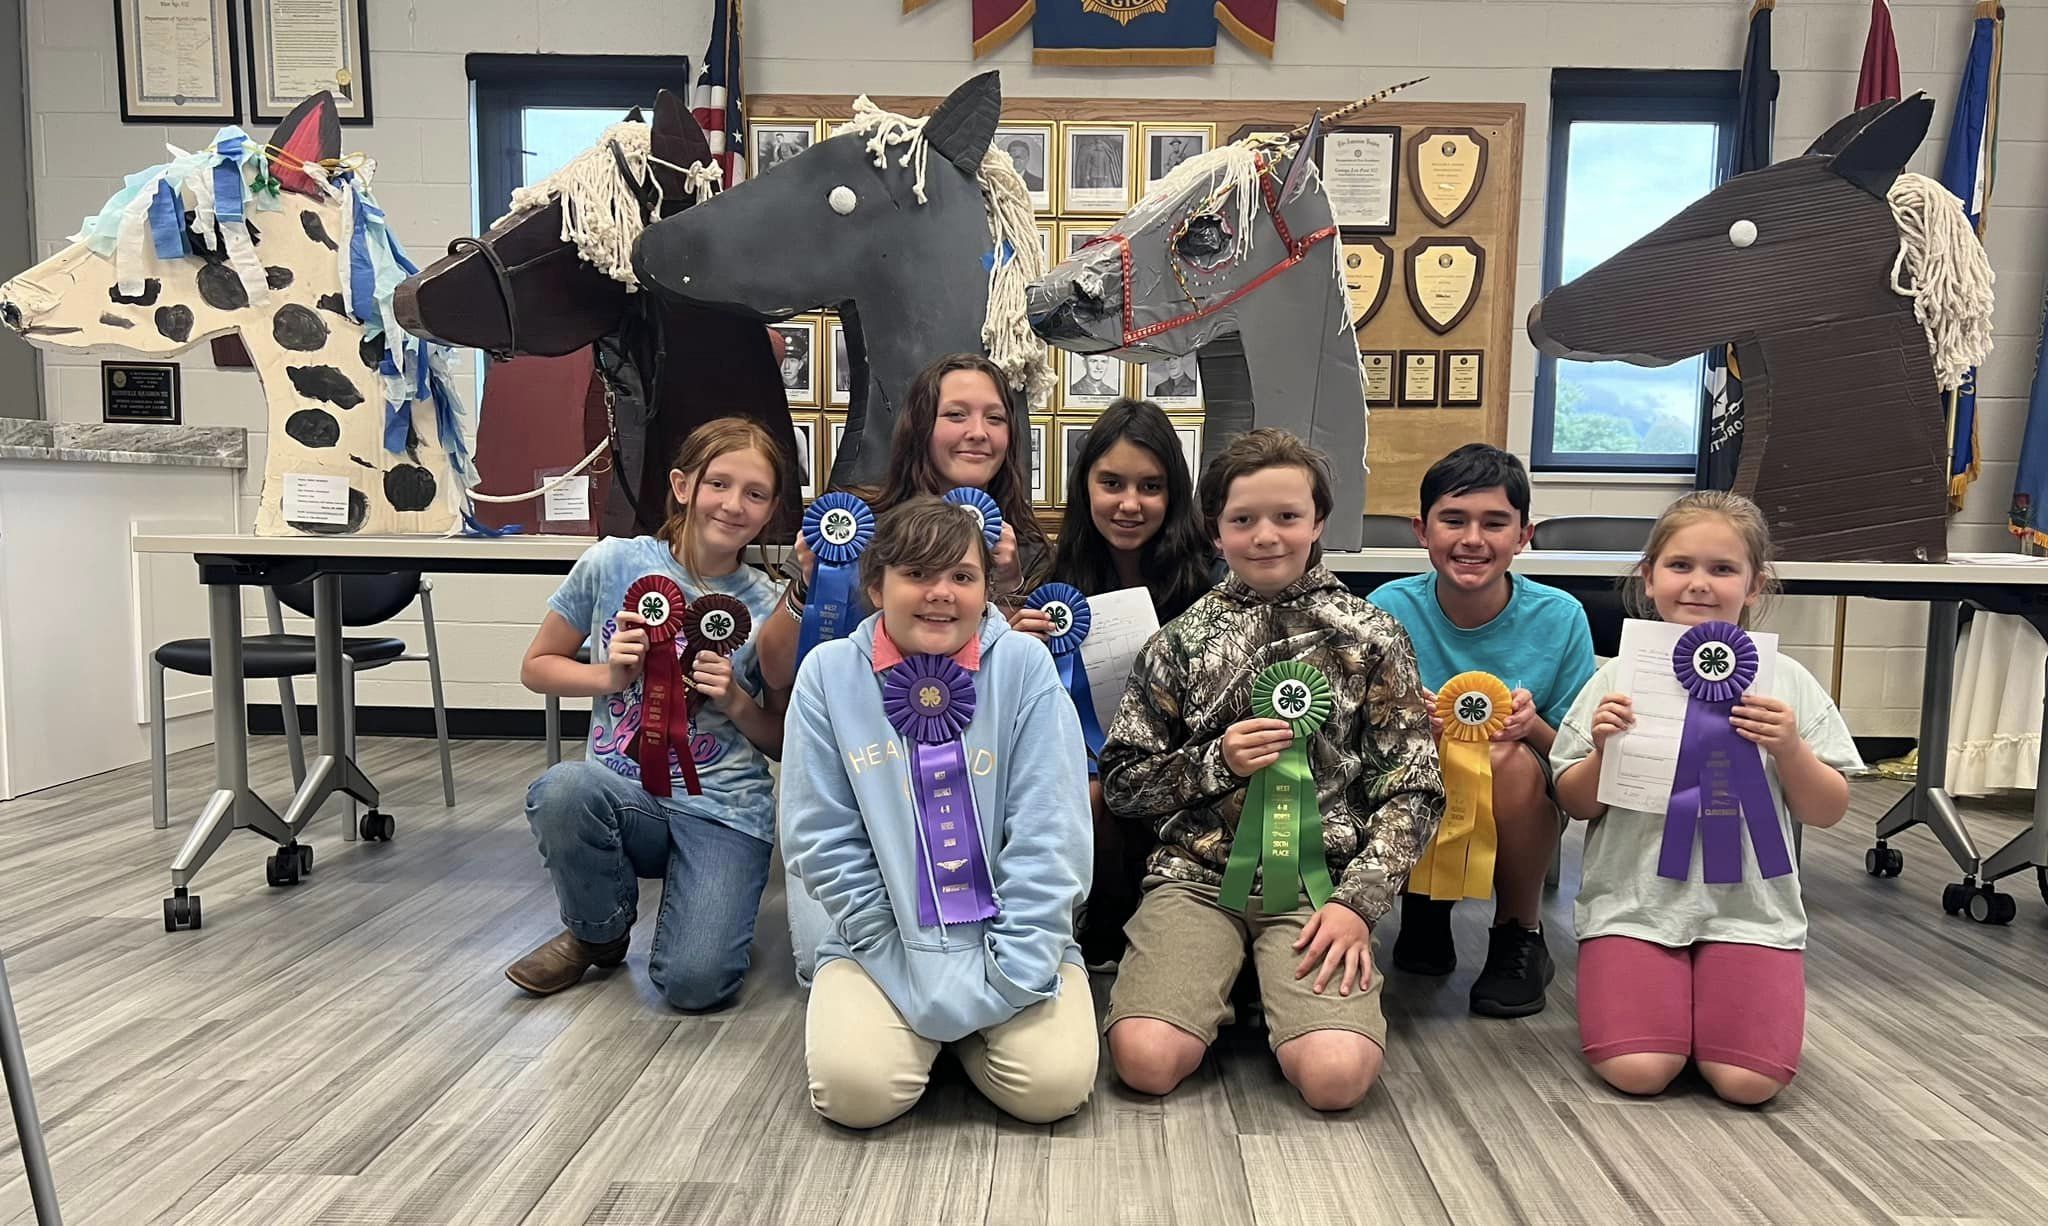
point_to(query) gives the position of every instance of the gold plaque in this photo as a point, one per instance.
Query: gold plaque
(1419, 369)
(1464, 378)
(1446, 167)
(1444, 278)
(1367, 265)
(1379, 376)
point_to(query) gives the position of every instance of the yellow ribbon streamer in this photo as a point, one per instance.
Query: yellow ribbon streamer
(1459, 862)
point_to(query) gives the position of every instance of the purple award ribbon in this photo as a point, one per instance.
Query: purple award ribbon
(1719, 786)
(930, 699)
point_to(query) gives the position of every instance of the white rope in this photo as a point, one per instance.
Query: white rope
(1229, 174)
(600, 212)
(1941, 266)
(550, 483)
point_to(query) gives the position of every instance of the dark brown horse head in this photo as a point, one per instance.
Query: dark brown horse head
(1777, 248)
(521, 287)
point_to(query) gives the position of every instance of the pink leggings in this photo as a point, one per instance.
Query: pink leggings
(1743, 1005)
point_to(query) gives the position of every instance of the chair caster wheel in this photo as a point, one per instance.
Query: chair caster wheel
(378, 827)
(181, 910)
(2041, 876)
(1987, 906)
(305, 859)
(1955, 897)
(283, 868)
(1883, 861)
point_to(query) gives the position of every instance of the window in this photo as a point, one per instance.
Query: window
(1627, 151)
(535, 112)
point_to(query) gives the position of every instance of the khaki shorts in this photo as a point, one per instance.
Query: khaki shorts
(1184, 956)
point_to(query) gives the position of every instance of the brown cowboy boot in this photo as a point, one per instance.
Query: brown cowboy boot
(561, 961)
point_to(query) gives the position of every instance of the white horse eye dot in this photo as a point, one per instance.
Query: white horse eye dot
(842, 199)
(1742, 233)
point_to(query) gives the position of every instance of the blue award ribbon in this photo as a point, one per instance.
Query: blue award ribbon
(837, 527)
(981, 504)
(1068, 610)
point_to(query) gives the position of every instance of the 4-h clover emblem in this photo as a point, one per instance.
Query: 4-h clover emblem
(1291, 699)
(718, 625)
(1713, 661)
(838, 527)
(930, 697)
(1060, 616)
(1474, 709)
(654, 608)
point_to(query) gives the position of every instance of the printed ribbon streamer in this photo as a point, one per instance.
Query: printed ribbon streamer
(716, 623)
(982, 505)
(1458, 863)
(1279, 831)
(1719, 786)
(838, 528)
(930, 699)
(664, 707)
(1067, 609)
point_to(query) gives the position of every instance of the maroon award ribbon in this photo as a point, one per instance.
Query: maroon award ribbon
(716, 623)
(664, 706)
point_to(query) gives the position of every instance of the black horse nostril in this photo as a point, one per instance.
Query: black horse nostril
(10, 315)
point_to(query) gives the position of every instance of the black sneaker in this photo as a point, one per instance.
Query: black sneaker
(1425, 946)
(1517, 973)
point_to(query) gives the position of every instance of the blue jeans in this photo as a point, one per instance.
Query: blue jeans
(600, 833)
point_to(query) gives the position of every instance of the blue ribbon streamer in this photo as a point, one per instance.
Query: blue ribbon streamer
(1075, 677)
(167, 223)
(472, 526)
(832, 609)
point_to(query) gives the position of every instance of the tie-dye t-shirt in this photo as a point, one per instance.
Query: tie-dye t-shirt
(737, 790)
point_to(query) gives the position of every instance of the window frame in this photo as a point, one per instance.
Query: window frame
(502, 86)
(1609, 95)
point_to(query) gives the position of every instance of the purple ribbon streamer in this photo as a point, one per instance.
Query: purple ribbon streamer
(953, 863)
(1719, 786)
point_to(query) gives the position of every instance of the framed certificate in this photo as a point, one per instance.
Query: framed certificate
(809, 462)
(299, 47)
(836, 431)
(1048, 244)
(799, 358)
(1361, 169)
(1190, 435)
(1075, 235)
(177, 61)
(1073, 437)
(1101, 168)
(1034, 150)
(1041, 461)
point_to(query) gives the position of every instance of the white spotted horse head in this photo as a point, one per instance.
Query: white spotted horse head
(285, 247)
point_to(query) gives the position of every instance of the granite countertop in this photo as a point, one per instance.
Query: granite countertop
(95, 443)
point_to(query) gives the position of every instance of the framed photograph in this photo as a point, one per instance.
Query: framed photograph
(1091, 381)
(1034, 149)
(178, 61)
(298, 48)
(1190, 435)
(1101, 168)
(771, 142)
(1174, 384)
(1361, 169)
(799, 359)
(809, 462)
(1048, 236)
(1073, 435)
(1167, 145)
(835, 429)
(1041, 461)
(1075, 235)
(841, 394)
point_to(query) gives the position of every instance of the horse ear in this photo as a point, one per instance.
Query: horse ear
(1874, 156)
(965, 122)
(1297, 169)
(311, 133)
(677, 135)
(634, 116)
(1831, 141)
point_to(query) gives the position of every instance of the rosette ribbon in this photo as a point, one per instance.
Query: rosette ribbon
(838, 528)
(983, 506)
(1067, 609)
(1279, 832)
(930, 700)
(1719, 786)
(664, 701)
(716, 623)
(1458, 863)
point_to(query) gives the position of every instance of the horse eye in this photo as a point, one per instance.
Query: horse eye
(842, 199)
(1742, 233)
(1203, 238)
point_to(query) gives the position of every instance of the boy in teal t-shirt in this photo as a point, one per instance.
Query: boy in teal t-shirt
(1469, 613)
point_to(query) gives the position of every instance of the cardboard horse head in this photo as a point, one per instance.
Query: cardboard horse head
(285, 246)
(1233, 258)
(1797, 264)
(554, 277)
(914, 230)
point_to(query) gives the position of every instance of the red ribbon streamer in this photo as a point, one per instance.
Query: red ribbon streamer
(664, 705)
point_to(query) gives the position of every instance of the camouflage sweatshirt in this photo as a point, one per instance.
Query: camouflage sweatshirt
(1378, 788)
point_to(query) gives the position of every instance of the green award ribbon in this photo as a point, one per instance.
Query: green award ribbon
(1279, 828)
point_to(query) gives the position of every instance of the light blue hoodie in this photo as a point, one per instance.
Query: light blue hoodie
(849, 831)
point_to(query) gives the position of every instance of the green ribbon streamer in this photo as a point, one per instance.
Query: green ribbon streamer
(1279, 826)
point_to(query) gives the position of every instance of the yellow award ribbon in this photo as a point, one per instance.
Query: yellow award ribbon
(1459, 862)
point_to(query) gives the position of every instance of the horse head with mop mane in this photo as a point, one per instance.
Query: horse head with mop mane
(917, 231)
(364, 425)
(555, 275)
(1852, 291)
(1226, 259)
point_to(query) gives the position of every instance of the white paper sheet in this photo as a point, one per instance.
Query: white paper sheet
(1637, 767)
(568, 502)
(310, 498)
(1119, 625)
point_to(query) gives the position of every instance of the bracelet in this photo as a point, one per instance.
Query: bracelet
(791, 607)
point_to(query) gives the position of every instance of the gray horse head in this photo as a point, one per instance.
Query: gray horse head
(900, 250)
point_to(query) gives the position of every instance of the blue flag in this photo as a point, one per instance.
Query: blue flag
(1966, 171)
(2030, 483)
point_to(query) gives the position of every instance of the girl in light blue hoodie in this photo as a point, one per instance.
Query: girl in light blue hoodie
(951, 909)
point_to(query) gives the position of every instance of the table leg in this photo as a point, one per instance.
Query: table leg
(28, 1126)
(334, 770)
(2029, 847)
(1928, 801)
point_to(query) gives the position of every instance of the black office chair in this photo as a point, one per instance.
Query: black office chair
(366, 600)
(1381, 532)
(1602, 597)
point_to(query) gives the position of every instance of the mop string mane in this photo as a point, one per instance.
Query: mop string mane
(601, 212)
(1015, 259)
(1941, 266)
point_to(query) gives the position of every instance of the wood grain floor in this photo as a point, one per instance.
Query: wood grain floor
(347, 1051)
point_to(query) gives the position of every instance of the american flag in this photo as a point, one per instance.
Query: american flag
(719, 106)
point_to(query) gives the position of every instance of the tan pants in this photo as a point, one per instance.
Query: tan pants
(867, 1066)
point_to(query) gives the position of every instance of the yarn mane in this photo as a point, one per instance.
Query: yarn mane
(1942, 267)
(601, 213)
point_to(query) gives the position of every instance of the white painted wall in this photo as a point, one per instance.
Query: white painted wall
(1502, 50)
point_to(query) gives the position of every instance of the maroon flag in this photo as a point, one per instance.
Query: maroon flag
(1880, 76)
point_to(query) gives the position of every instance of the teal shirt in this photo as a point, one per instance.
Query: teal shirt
(1539, 642)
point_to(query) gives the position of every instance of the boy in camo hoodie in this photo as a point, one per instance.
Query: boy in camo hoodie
(1178, 756)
